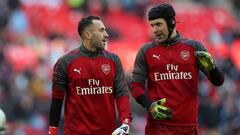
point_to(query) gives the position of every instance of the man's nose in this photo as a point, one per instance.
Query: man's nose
(106, 35)
(155, 29)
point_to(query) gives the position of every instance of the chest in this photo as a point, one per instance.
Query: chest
(171, 59)
(97, 70)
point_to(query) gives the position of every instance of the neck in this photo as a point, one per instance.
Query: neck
(87, 45)
(174, 33)
(173, 38)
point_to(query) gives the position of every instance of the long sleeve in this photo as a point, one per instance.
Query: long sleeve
(120, 84)
(121, 92)
(55, 112)
(59, 79)
(216, 76)
(59, 83)
(139, 75)
(123, 107)
(139, 79)
(137, 91)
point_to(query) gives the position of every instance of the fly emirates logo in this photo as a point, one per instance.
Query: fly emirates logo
(94, 88)
(172, 74)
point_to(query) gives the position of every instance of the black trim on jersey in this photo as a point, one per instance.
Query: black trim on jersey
(55, 112)
(144, 101)
(85, 52)
(216, 76)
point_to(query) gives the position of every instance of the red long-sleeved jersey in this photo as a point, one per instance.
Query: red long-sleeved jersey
(171, 71)
(91, 83)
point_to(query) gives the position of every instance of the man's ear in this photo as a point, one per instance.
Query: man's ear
(87, 34)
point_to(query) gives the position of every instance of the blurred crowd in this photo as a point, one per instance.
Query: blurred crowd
(35, 33)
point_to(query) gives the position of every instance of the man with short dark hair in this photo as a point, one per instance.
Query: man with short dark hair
(91, 80)
(169, 66)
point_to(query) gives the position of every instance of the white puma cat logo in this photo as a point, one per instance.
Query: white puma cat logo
(77, 70)
(156, 56)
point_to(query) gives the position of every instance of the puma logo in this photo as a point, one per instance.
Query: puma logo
(77, 70)
(156, 56)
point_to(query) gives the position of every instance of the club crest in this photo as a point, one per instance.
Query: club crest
(185, 55)
(105, 68)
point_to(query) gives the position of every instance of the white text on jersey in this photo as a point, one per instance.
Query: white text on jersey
(95, 87)
(172, 74)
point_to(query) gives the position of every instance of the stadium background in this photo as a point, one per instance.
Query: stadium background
(35, 33)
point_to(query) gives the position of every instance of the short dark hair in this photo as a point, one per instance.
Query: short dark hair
(84, 22)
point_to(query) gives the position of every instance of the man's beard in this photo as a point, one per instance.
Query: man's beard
(160, 40)
(99, 48)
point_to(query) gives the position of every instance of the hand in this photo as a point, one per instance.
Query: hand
(52, 130)
(122, 130)
(160, 112)
(205, 59)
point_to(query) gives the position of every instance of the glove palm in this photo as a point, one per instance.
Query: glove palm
(160, 112)
(205, 59)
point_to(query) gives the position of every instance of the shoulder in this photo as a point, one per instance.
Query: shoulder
(194, 43)
(146, 46)
(110, 55)
(72, 53)
(69, 56)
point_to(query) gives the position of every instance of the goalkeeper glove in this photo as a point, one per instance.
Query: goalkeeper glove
(123, 129)
(52, 130)
(206, 60)
(160, 112)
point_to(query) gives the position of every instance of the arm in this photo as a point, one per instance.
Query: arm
(137, 91)
(138, 80)
(124, 109)
(59, 83)
(54, 116)
(125, 116)
(122, 100)
(216, 76)
(156, 108)
(208, 66)
(121, 92)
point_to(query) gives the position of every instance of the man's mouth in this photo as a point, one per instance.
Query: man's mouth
(104, 40)
(159, 36)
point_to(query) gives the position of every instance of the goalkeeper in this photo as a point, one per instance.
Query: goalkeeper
(89, 83)
(168, 67)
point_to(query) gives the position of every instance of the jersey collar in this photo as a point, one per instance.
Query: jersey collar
(87, 52)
